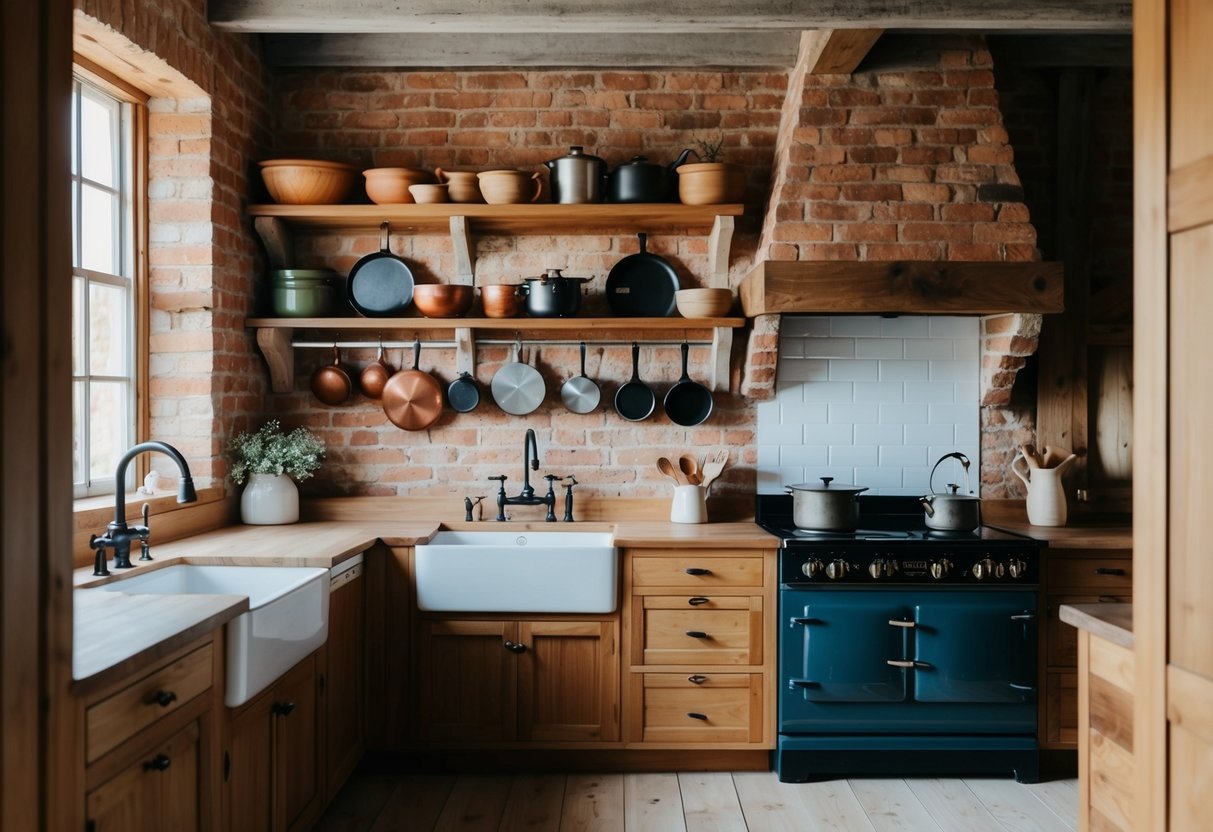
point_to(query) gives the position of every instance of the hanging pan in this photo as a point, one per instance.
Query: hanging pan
(381, 284)
(463, 394)
(688, 403)
(517, 387)
(642, 285)
(412, 399)
(580, 394)
(635, 400)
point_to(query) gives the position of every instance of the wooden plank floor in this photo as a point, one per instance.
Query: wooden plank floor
(695, 802)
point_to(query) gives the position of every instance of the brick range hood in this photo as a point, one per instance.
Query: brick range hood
(894, 191)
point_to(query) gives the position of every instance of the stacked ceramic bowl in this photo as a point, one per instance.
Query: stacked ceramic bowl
(304, 293)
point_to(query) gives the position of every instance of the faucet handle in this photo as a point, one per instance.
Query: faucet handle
(100, 566)
(500, 478)
(552, 477)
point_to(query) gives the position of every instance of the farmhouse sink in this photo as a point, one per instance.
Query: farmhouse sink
(521, 571)
(288, 616)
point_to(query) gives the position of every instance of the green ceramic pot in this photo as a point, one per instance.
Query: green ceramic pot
(303, 293)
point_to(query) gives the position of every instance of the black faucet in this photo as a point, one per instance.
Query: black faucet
(118, 535)
(526, 497)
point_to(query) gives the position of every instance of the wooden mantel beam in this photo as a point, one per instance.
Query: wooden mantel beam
(675, 17)
(837, 51)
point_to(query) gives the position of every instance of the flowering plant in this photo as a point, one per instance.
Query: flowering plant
(270, 451)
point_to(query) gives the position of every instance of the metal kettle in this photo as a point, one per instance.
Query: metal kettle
(577, 177)
(951, 511)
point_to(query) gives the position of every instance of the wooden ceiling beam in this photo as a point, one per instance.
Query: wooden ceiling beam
(675, 17)
(837, 51)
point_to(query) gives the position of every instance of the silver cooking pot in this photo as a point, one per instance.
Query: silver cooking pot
(951, 511)
(577, 177)
(828, 507)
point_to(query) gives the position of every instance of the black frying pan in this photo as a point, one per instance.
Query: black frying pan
(688, 403)
(642, 285)
(463, 394)
(635, 400)
(381, 284)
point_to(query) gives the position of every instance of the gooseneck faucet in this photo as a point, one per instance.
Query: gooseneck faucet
(118, 535)
(526, 497)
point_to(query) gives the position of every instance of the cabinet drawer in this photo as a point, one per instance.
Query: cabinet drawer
(1095, 574)
(708, 707)
(1061, 709)
(119, 717)
(1062, 638)
(697, 571)
(726, 630)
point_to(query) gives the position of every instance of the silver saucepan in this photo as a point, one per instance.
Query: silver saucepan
(825, 507)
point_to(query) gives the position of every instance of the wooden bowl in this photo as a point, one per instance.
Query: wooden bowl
(442, 300)
(703, 303)
(509, 187)
(501, 300)
(308, 181)
(390, 186)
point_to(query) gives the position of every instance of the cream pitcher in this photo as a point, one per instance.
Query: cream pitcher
(1046, 492)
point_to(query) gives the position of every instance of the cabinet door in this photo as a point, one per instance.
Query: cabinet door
(248, 767)
(568, 681)
(158, 791)
(343, 684)
(297, 772)
(468, 677)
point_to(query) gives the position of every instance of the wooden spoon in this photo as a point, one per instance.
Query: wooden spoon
(713, 467)
(666, 467)
(690, 469)
(1029, 454)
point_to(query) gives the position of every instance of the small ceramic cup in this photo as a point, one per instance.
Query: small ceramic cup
(689, 504)
(427, 194)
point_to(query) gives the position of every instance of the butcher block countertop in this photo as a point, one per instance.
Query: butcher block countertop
(1113, 622)
(1010, 516)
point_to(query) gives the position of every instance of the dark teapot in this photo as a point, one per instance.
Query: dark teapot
(643, 181)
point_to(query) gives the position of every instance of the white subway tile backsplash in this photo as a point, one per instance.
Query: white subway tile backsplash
(782, 435)
(966, 350)
(879, 434)
(768, 456)
(878, 348)
(803, 414)
(864, 325)
(954, 414)
(803, 369)
(879, 392)
(955, 327)
(903, 414)
(905, 326)
(829, 348)
(930, 392)
(840, 434)
(802, 325)
(768, 415)
(853, 370)
(854, 414)
(915, 480)
(828, 391)
(930, 348)
(954, 370)
(930, 434)
(878, 477)
(893, 370)
(968, 391)
(969, 435)
(854, 455)
(902, 456)
(816, 456)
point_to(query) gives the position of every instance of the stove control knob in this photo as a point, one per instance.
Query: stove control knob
(940, 568)
(987, 568)
(881, 568)
(1018, 568)
(811, 568)
(836, 569)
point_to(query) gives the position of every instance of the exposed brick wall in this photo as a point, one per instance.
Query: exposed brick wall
(208, 120)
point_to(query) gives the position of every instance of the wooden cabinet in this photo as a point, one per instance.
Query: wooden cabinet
(518, 681)
(700, 648)
(1073, 576)
(272, 769)
(147, 742)
(1106, 765)
(342, 682)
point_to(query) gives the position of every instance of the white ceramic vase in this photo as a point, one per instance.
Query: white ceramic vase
(269, 500)
(689, 504)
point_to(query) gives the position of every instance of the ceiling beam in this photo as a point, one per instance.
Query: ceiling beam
(402, 51)
(676, 17)
(837, 51)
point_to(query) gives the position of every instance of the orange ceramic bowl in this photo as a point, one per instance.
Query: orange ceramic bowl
(308, 181)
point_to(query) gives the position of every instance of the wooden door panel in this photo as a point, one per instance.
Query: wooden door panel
(468, 681)
(142, 798)
(297, 778)
(249, 772)
(1191, 93)
(343, 688)
(568, 682)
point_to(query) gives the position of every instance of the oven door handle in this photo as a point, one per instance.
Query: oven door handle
(893, 622)
(1023, 688)
(1027, 616)
(802, 683)
(803, 622)
(908, 663)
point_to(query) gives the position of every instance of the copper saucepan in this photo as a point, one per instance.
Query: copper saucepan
(374, 376)
(412, 399)
(330, 383)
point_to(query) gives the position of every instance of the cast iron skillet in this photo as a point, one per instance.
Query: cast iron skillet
(463, 394)
(381, 284)
(642, 285)
(635, 400)
(688, 403)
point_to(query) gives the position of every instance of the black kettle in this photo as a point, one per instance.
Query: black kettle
(643, 181)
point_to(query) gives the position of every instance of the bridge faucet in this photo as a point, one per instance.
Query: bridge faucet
(526, 497)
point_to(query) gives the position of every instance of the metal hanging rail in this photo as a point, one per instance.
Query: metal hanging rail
(489, 342)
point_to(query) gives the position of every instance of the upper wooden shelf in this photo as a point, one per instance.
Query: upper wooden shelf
(510, 324)
(512, 219)
(906, 287)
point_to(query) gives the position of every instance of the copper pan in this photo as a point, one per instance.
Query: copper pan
(412, 399)
(330, 383)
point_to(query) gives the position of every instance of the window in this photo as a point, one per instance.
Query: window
(105, 268)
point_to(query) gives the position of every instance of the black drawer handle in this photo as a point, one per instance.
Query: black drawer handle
(514, 647)
(282, 708)
(1108, 570)
(158, 763)
(694, 715)
(1110, 599)
(698, 601)
(164, 698)
(697, 679)
(697, 634)
(697, 570)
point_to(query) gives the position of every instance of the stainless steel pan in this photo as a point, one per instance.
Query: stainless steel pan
(518, 388)
(580, 394)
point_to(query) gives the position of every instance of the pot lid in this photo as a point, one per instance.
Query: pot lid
(827, 484)
(554, 274)
(577, 152)
(641, 162)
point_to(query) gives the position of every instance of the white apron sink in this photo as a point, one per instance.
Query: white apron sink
(288, 616)
(518, 571)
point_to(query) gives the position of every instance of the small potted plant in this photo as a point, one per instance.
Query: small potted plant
(710, 181)
(273, 461)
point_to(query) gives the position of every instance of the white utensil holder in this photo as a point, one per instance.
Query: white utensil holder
(689, 504)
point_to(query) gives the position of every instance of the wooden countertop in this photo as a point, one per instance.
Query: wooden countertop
(1113, 622)
(1010, 516)
(693, 535)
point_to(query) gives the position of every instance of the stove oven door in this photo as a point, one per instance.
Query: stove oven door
(975, 647)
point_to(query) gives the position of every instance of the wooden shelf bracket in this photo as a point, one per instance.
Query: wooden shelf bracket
(719, 244)
(276, 346)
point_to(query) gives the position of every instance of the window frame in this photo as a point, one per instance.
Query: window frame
(87, 72)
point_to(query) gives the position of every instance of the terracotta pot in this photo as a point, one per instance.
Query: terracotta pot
(390, 186)
(441, 300)
(507, 187)
(710, 183)
(501, 300)
(428, 193)
(462, 185)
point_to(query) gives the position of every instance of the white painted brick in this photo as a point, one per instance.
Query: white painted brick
(929, 434)
(930, 392)
(856, 455)
(933, 348)
(893, 370)
(854, 414)
(955, 327)
(841, 434)
(878, 477)
(803, 369)
(878, 392)
(855, 325)
(828, 391)
(803, 414)
(906, 326)
(954, 414)
(879, 435)
(853, 370)
(804, 455)
(953, 370)
(879, 348)
(829, 348)
(901, 456)
(903, 414)
(804, 325)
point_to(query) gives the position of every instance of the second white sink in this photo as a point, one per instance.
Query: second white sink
(522, 571)
(288, 616)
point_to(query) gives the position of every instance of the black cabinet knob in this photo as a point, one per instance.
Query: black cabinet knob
(164, 698)
(282, 708)
(697, 679)
(697, 601)
(693, 715)
(158, 763)
(697, 634)
(514, 647)
(1107, 570)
